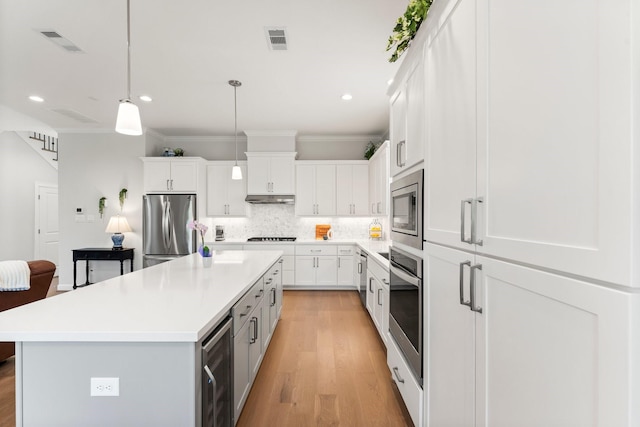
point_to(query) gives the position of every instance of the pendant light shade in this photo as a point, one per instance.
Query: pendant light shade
(128, 120)
(236, 172)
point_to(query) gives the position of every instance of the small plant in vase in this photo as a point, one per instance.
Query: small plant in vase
(202, 229)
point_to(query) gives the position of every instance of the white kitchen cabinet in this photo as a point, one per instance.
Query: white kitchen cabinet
(398, 129)
(316, 266)
(352, 195)
(346, 266)
(378, 298)
(379, 181)
(225, 196)
(273, 302)
(171, 175)
(315, 189)
(271, 173)
(537, 156)
(530, 329)
(288, 258)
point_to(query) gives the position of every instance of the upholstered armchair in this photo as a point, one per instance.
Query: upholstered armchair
(41, 275)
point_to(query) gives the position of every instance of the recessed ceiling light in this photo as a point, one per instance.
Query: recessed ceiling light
(389, 82)
(145, 98)
(347, 97)
(36, 98)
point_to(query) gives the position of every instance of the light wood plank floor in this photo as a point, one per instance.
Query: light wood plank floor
(325, 366)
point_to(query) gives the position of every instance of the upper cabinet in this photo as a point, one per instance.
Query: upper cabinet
(379, 181)
(270, 173)
(225, 196)
(315, 189)
(407, 117)
(352, 196)
(172, 175)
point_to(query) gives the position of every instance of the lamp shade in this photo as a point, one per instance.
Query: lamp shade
(118, 224)
(128, 121)
(236, 172)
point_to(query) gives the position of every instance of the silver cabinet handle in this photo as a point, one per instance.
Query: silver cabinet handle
(254, 335)
(260, 294)
(397, 374)
(247, 311)
(338, 262)
(172, 184)
(359, 268)
(168, 185)
(214, 393)
(370, 280)
(386, 282)
(317, 262)
(472, 288)
(463, 205)
(398, 154)
(273, 297)
(402, 144)
(474, 221)
(462, 301)
(269, 280)
(379, 297)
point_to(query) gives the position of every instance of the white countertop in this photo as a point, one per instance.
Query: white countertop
(176, 301)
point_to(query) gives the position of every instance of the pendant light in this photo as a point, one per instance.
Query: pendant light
(236, 172)
(128, 121)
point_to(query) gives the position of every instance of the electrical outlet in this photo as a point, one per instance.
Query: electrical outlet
(105, 386)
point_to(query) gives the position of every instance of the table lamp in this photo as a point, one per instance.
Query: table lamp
(117, 225)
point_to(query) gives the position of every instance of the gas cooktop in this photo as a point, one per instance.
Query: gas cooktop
(271, 239)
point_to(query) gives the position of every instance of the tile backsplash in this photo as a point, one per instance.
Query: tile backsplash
(280, 220)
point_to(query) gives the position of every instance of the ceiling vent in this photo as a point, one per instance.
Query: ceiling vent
(57, 39)
(73, 115)
(276, 38)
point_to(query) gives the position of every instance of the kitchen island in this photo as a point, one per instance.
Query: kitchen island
(144, 328)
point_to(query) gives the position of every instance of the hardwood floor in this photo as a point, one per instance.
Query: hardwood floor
(325, 366)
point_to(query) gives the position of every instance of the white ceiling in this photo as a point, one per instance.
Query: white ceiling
(184, 52)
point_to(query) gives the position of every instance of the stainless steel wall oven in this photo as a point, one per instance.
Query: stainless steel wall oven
(405, 307)
(406, 209)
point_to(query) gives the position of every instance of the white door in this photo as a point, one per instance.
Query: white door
(258, 181)
(305, 190)
(327, 270)
(282, 172)
(325, 184)
(237, 193)
(305, 270)
(398, 129)
(413, 151)
(184, 176)
(157, 176)
(344, 189)
(345, 271)
(47, 230)
(217, 190)
(360, 189)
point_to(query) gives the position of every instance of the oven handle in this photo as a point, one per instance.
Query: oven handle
(415, 281)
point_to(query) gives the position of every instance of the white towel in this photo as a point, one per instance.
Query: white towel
(14, 276)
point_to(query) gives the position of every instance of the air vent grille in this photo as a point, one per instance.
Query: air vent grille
(276, 38)
(55, 37)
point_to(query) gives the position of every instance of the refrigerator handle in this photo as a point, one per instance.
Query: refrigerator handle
(165, 225)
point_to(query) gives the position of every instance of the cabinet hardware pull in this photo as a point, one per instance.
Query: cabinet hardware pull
(474, 222)
(472, 289)
(317, 262)
(260, 293)
(338, 262)
(370, 280)
(379, 297)
(172, 184)
(359, 268)
(168, 185)
(463, 204)
(386, 282)
(214, 385)
(316, 250)
(273, 297)
(402, 144)
(397, 373)
(254, 336)
(462, 301)
(398, 154)
(247, 311)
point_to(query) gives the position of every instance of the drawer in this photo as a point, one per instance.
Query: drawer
(382, 273)
(241, 311)
(346, 250)
(316, 250)
(409, 389)
(286, 249)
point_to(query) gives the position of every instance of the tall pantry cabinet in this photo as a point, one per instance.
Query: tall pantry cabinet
(532, 210)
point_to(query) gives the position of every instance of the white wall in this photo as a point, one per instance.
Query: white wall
(20, 168)
(94, 165)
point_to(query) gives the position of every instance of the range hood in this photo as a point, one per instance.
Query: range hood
(262, 199)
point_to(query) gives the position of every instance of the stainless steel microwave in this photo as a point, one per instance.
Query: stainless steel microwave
(406, 209)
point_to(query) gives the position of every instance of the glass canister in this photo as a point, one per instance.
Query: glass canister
(375, 230)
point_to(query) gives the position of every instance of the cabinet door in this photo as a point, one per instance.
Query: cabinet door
(360, 189)
(384, 333)
(217, 179)
(414, 150)
(556, 350)
(282, 173)
(371, 295)
(156, 176)
(305, 190)
(398, 129)
(344, 191)
(450, 167)
(305, 270)
(326, 270)
(236, 193)
(449, 332)
(325, 189)
(345, 271)
(255, 341)
(269, 312)
(373, 185)
(258, 181)
(378, 301)
(241, 368)
(557, 149)
(184, 176)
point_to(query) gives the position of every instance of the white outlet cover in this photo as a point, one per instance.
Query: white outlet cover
(105, 386)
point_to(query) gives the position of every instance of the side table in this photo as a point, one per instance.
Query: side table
(100, 254)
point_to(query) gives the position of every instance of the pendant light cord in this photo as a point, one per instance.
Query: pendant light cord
(235, 120)
(128, 51)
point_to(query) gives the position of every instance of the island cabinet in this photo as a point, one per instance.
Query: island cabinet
(271, 173)
(288, 264)
(315, 189)
(172, 175)
(316, 265)
(225, 196)
(352, 197)
(273, 301)
(378, 297)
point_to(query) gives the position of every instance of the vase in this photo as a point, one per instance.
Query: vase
(207, 261)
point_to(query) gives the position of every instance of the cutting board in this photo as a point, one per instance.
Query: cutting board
(321, 230)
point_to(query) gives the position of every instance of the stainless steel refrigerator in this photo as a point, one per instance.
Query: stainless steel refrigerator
(165, 235)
